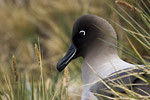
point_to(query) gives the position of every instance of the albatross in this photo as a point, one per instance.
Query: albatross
(101, 66)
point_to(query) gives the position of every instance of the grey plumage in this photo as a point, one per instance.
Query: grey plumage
(130, 78)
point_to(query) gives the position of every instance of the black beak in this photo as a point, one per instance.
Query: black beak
(70, 55)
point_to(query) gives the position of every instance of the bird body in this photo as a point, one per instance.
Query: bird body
(103, 68)
(95, 40)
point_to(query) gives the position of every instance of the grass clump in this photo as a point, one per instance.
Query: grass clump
(23, 88)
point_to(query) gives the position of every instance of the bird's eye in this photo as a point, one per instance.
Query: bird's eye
(82, 32)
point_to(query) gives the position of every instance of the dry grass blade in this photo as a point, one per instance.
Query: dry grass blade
(137, 52)
(127, 5)
(66, 73)
(144, 91)
(15, 68)
(146, 17)
(40, 65)
(38, 54)
(62, 88)
(66, 77)
(39, 58)
(139, 34)
(101, 95)
(54, 95)
(8, 83)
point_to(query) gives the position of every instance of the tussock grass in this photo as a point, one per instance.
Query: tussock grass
(32, 75)
(19, 87)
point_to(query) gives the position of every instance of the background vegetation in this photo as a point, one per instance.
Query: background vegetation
(48, 23)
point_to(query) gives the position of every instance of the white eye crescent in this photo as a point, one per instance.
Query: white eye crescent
(82, 32)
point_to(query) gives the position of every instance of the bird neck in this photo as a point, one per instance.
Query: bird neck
(101, 60)
(95, 59)
(93, 62)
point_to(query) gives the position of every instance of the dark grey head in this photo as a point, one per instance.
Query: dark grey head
(86, 31)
